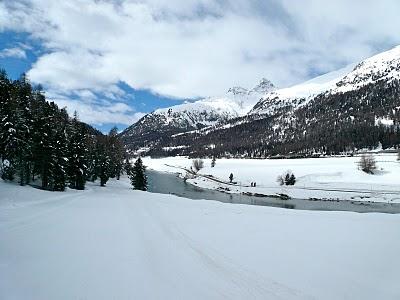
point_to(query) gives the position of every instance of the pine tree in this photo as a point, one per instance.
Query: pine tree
(77, 155)
(19, 146)
(213, 162)
(138, 176)
(7, 129)
(287, 178)
(116, 149)
(292, 179)
(59, 151)
(91, 158)
(103, 160)
(127, 167)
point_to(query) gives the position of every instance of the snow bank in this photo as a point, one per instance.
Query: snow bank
(322, 178)
(115, 243)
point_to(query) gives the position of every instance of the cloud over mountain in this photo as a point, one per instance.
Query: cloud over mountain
(195, 48)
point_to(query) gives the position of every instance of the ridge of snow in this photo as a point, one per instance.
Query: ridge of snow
(351, 77)
(238, 101)
(306, 90)
(377, 67)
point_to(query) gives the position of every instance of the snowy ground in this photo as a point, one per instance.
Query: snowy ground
(115, 243)
(322, 178)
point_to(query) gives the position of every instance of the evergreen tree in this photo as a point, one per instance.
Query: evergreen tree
(103, 160)
(116, 150)
(59, 152)
(91, 158)
(127, 167)
(19, 146)
(138, 176)
(7, 129)
(213, 162)
(77, 155)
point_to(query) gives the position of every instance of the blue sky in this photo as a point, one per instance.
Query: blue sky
(143, 100)
(115, 60)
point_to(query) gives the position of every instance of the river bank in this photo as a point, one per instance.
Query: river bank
(169, 183)
(332, 178)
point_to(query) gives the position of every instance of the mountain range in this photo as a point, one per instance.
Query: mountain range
(342, 111)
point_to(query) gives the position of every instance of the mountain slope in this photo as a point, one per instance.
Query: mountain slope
(156, 127)
(383, 66)
(352, 108)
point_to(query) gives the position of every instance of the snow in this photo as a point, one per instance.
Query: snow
(385, 65)
(236, 102)
(316, 85)
(382, 65)
(384, 121)
(116, 243)
(306, 90)
(322, 178)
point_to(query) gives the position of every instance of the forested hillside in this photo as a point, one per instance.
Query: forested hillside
(332, 124)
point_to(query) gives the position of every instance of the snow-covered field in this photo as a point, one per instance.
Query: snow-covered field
(116, 243)
(322, 178)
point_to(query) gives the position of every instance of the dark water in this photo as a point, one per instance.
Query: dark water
(171, 184)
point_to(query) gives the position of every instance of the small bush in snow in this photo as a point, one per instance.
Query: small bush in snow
(197, 165)
(280, 180)
(367, 163)
(287, 179)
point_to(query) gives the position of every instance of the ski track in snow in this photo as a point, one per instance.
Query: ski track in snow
(114, 243)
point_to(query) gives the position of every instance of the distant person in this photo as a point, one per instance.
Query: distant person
(254, 184)
(231, 177)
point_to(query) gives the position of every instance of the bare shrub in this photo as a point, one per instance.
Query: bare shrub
(367, 163)
(197, 165)
(280, 180)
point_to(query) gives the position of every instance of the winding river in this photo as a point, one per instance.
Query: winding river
(165, 183)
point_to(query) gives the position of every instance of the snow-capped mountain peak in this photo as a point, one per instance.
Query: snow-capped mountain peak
(265, 86)
(237, 90)
(385, 65)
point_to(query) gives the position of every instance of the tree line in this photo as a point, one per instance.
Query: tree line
(41, 144)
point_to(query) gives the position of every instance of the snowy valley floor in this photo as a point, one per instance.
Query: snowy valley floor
(335, 178)
(116, 243)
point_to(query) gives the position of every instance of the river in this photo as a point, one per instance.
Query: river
(165, 183)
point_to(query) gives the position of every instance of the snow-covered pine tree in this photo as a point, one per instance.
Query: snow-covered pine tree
(44, 149)
(6, 128)
(103, 160)
(76, 155)
(116, 149)
(138, 176)
(19, 143)
(58, 157)
(91, 158)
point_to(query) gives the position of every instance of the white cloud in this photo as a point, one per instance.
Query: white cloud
(192, 48)
(92, 113)
(13, 52)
